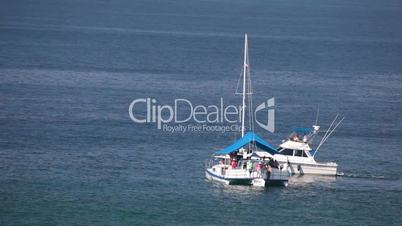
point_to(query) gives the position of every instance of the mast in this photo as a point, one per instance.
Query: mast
(245, 65)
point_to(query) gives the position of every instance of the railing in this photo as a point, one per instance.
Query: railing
(209, 163)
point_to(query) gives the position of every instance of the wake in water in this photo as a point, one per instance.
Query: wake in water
(368, 176)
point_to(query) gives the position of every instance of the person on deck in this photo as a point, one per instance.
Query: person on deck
(258, 168)
(233, 164)
(249, 165)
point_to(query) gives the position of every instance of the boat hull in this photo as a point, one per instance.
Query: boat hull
(312, 169)
(230, 181)
(258, 182)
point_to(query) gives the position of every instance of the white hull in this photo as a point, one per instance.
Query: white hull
(215, 178)
(242, 177)
(299, 168)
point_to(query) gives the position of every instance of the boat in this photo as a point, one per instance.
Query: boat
(250, 159)
(297, 151)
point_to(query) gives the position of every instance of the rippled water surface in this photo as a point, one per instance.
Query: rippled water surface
(69, 153)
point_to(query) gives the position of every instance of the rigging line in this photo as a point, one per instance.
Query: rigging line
(251, 107)
(238, 83)
(251, 100)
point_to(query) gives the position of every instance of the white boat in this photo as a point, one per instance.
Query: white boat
(249, 160)
(298, 153)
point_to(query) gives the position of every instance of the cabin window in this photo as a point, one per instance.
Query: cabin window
(287, 152)
(304, 154)
(299, 153)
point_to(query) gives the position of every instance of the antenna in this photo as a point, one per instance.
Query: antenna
(317, 114)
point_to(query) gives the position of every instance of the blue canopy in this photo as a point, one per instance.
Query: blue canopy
(246, 139)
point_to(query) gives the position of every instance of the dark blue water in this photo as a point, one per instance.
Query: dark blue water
(69, 153)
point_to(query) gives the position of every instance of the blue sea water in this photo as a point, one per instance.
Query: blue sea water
(70, 154)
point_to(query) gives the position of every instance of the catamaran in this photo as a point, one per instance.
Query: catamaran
(250, 159)
(298, 153)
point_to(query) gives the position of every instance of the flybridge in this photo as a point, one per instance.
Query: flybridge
(182, 111)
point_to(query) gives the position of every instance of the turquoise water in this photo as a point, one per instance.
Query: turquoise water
(70, 155)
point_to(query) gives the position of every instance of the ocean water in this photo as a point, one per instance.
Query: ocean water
(70, 154)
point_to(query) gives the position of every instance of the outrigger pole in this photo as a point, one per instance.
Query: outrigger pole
(330, 130)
